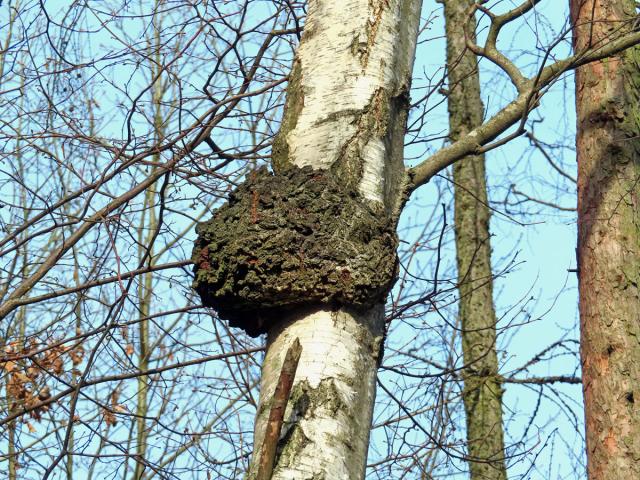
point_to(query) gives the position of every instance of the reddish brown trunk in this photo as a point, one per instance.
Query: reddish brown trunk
(608, 149)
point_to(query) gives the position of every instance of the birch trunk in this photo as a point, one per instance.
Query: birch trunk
(345, 111)
(608, 149)
(482, 393)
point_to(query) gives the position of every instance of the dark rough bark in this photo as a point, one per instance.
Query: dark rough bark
(608, 149)
(482, 393)
(290, 240)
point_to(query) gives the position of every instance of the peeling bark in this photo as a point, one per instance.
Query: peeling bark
(482, 393)
(608, 149)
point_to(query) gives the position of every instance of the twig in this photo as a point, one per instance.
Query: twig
(276, 415)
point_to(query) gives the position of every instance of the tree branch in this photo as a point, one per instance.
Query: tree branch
(478, 140)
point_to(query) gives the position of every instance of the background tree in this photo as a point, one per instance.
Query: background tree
(482, 394)
(608, 147)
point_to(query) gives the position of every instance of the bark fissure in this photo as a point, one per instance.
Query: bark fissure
(371, 123)
(295, 102)
(372, 26)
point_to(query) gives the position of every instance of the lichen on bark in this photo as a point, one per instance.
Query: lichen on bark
(291, 240)
(307, 402)
(295, 101)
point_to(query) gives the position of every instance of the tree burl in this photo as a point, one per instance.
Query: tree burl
(289, 240)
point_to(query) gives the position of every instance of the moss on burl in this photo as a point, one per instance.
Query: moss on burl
(290, 240)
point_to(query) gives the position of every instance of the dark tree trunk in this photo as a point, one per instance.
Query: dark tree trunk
(482, 394)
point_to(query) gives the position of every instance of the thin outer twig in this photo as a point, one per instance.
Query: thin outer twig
(276, 415)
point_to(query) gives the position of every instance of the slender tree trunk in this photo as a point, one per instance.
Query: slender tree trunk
(482, 394)
(608, 149)
(346, 112)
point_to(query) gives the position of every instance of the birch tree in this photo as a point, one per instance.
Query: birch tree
(346, 112)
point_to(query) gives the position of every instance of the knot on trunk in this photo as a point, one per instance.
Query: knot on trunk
(291, 240)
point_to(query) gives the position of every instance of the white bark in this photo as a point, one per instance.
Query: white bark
(354, 67)
(331, 404)
(355, 57)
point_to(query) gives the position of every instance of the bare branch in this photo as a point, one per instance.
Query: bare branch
(477, 140)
